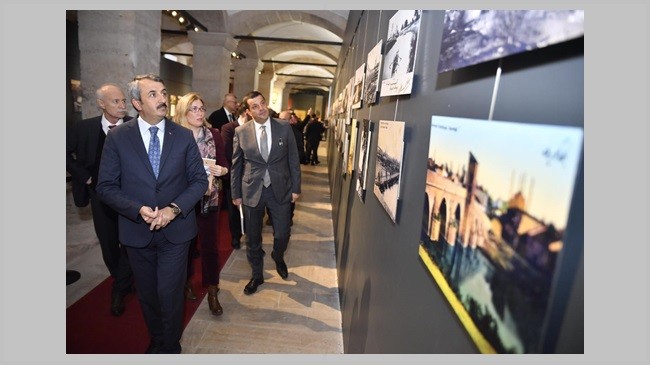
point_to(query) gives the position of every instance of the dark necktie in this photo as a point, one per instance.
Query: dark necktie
(264, 149)
(154, 150)
(231, 117)
(111, 126)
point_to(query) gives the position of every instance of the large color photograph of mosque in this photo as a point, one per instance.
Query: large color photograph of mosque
(496, 204)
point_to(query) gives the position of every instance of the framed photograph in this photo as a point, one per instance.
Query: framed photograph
(357, 94)
(353, 145)
(388, 167)
(401, 44)
(365, 136)
(373, 70)
(496, 203)
(474, 36)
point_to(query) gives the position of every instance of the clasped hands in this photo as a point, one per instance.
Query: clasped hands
(157, 218)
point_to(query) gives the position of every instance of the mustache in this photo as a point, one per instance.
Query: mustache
(162, 105)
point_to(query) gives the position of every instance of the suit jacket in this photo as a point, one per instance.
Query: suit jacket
(218, 118)
(248, 166)
(127, 182)
(81, 159)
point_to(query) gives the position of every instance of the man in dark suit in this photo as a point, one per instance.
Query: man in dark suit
(152, 174)
(227, 134)
(83, 153)
(265, 173)
(224, 114)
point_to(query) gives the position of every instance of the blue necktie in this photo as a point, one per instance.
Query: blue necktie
(154, 150)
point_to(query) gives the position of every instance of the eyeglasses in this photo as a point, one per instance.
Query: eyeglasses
(196, 109)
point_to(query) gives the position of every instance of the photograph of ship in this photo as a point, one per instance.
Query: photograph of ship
(358, 87)
(474, 36)
(371, 87)
(364, 153)
(399, 58)
(496, 203)
(390, 147)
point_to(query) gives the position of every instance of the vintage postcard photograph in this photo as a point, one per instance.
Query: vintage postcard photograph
(388, 170)
(373, 68)
(365, 136)
(401, 44)
(496, 204)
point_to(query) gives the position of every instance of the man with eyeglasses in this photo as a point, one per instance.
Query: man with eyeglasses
(224, 114)
(152, 174)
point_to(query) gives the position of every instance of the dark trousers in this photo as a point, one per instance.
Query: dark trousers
(114, 254)
(160, 271)
(207, 244)
(234, 221)
(312, 151)
(254, 217)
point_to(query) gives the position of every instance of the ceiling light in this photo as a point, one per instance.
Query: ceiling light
(174, 13)
(181, 20)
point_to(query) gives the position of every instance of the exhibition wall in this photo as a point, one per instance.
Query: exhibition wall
(390, 303)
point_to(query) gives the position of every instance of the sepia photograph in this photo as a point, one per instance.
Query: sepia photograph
(496, 203)
(358, 87)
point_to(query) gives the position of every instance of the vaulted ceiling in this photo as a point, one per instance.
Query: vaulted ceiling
(301, 48)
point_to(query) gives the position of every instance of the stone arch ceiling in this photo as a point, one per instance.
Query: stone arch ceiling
(323, 25)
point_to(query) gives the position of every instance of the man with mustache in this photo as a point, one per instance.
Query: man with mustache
(152, 174)
(83, 152)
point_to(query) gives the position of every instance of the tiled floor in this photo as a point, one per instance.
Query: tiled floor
(300, 315)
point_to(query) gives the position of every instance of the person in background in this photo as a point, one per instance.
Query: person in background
(190, 113)
(227, 133)
(265, 173)
(84, 146)
(313, 133)
(224, 114)
(152, 174)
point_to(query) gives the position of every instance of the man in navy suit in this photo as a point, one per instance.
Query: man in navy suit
(224, 114)
(84, 146)
(265, 174)
(152, 174)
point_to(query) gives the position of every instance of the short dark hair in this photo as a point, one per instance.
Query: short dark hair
(251, 95)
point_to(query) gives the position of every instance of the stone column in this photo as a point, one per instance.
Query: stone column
(264, 82)
(211, 66)
(285, 97)
(246, 76)
(114, 46)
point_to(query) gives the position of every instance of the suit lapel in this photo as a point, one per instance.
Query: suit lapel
(168, 144)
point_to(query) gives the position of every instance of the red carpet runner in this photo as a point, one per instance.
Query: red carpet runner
(91, 329)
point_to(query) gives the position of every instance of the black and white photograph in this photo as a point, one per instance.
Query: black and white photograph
(471, 37)
(365, 131)
(373, 68)
(388, 170)
(401, 44)
(357, 94)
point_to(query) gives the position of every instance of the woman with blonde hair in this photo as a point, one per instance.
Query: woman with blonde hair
(190, 113)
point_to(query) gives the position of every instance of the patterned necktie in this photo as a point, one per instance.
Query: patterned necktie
(154, 150)
(264, 149)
